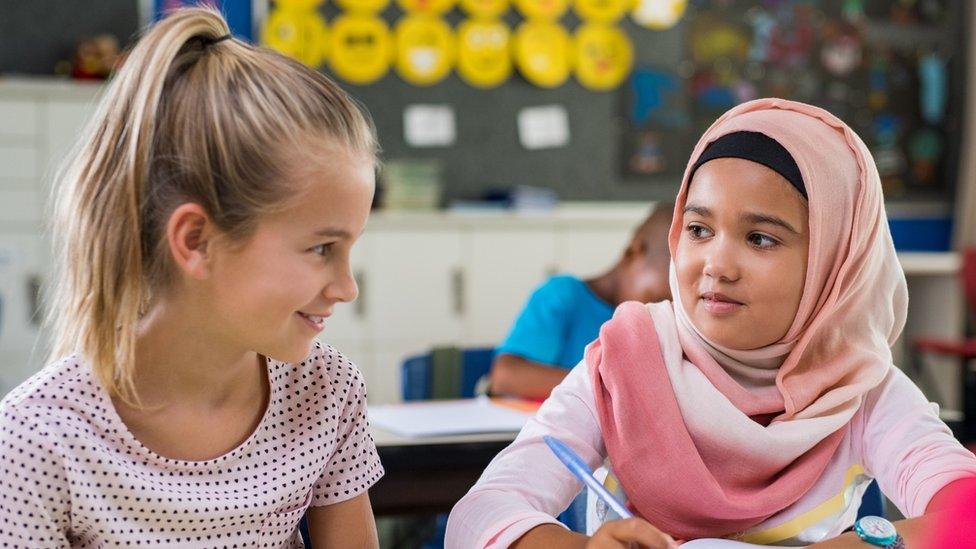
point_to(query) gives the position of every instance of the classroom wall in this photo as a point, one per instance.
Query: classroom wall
(34, 35)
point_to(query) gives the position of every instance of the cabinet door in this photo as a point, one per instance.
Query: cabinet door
(412, 285)
(19, 118)
(64, 121)
(501, 270)
(592, 251)
(19, 312)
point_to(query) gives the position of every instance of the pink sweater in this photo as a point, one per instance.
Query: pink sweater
(895, 437)
(74, 476)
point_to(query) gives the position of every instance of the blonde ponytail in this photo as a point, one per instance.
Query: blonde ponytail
(189, 117)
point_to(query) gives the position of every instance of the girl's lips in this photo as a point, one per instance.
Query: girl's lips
(316, 322)
(718, 304)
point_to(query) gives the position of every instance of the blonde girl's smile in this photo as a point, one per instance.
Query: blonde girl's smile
(316, 322)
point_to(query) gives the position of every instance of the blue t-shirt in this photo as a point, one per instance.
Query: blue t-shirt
(560, 319)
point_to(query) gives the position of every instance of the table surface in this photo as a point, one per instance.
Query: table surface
(385, 439)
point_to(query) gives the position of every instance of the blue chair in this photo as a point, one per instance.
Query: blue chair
(418, 373)
(872, 503)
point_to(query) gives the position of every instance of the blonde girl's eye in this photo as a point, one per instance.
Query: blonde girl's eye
(321, 249)
(698, 232)
(763, 241)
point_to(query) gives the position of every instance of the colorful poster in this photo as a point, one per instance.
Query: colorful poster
(242, 15)
(601, 11)
(484, 58)
(300, 35)
(603, 56)
(542, 9)
(424, 49)
(484, 9)
(363, 6)
(542, 53)
(429, 7)
(360, 48)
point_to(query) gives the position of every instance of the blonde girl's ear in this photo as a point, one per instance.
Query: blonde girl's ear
(189, 236)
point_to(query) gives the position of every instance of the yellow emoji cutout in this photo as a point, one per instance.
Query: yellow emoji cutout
(301, 35)
(362, 6)
(658, 14)
(484, 57)
(484, 9)
(429, 7)
(361, 48)
(542, 53)
(602, 11)
(298, 5)
(424, 49)
(604, 56)
(542, 9)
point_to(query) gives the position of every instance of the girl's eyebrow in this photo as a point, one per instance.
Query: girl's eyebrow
(769, 220)
(334, 232)
(700, 210)
(753, 218)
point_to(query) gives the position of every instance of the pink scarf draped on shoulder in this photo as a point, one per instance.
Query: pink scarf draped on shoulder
(709, 441)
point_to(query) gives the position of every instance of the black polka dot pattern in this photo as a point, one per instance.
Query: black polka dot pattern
(72, 475)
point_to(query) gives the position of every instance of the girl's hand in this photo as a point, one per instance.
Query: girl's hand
(627, 533)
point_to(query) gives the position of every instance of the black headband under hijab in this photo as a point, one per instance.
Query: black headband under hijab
(756, 147)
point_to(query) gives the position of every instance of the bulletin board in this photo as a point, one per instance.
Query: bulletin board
(895, 71)
(632, 142)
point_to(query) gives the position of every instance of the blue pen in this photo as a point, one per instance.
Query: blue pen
(578, 467)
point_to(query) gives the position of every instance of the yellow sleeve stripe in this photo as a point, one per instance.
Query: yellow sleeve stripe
(794, 527)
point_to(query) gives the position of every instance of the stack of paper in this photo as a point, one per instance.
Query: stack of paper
(448, 417)
(720, 544)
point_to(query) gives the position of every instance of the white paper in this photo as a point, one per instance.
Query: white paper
(429, 126)
(447, 417)
(545, 127)
(720, 544)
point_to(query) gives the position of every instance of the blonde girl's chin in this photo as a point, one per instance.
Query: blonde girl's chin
(294, 353)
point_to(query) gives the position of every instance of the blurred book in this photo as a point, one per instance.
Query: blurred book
(411, 185)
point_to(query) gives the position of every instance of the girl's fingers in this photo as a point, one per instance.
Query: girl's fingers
(624, 533)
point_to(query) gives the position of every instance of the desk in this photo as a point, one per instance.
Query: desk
(429, 475)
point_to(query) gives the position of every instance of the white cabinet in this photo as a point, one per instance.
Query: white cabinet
(412, 286)
(19, 162)
(501, 268)
(18, 118)
(19, 323)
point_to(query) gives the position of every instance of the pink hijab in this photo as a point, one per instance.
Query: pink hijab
(686, 422)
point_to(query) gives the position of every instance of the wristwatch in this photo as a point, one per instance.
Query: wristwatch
(878, 532)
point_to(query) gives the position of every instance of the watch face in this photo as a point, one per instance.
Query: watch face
(876, 528)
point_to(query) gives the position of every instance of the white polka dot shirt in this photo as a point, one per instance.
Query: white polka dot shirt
(72, 475)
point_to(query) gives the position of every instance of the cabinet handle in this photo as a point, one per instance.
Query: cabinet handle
(360, 306)
(34, 300)
(457, 283)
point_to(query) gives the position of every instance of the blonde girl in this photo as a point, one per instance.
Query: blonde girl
(761, 401)
(204, 230)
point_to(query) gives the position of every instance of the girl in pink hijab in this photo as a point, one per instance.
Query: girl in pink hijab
(761, 402)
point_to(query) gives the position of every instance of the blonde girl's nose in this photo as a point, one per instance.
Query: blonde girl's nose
(343, 287)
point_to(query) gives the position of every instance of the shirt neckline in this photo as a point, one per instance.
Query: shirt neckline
(141, 450)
